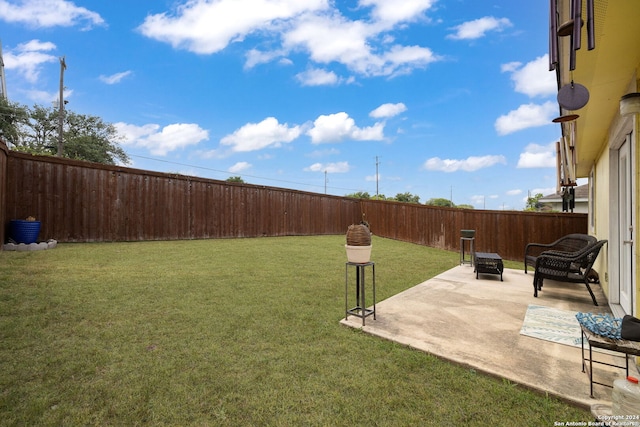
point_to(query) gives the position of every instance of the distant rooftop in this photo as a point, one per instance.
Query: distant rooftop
(581, 193)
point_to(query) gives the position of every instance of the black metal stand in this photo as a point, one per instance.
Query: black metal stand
(360, 310)
(463, 259)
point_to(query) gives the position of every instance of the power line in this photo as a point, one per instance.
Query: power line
(244, 175)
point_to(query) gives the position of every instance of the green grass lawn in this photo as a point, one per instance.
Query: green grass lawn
(237, 332)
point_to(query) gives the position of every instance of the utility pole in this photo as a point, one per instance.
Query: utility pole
(63, 66)
(377, 176)
(3, 82)
(325, 182)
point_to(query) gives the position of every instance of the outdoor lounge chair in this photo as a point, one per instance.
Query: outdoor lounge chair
(567, 267)
(568, 243)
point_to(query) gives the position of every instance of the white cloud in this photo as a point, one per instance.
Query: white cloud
(526, 116)
(330, 39)
(35, 45)
(159, 141)
(27, 59)
(240, 167)
(510, 67)
(317, 77)
(479, 27)
(333, 39)
(206, 27)
(48, 13)
(255, 57)
(514, 192)
(469, 164)
(339, 126)
(538, 156)
(534, 78)
(114, 78)
(401, 59)
(370, 133)
(388, 110)
(256, 136)
(393, 11)
(44, 97)
(315, 27)
(339, 167)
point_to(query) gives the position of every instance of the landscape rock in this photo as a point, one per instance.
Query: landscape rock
(21, 247)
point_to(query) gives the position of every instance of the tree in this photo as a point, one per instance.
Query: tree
(84, 137)
(12, 117)
(89, 138)
(446, 203)
(407, 198)
(359, 195)
(533, 203)
(464, 206)
(40, 131)
(235, 179)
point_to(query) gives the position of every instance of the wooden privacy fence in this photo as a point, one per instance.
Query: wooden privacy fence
(504, 232)
(86, 202)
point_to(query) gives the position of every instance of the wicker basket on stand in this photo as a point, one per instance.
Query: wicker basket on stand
(358, 244)
(358, 235)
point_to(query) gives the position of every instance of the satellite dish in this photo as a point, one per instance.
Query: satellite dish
(573, 96)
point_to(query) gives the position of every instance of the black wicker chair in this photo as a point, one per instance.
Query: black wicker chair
(567, 267)
(568, 243)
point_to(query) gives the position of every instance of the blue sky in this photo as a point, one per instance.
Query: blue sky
(451, 98)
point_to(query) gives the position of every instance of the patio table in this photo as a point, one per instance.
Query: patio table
(625, 347)
(486, 262)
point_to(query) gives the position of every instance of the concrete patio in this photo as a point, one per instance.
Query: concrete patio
(476, 323)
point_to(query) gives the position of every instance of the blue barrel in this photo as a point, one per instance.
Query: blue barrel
(21, 231)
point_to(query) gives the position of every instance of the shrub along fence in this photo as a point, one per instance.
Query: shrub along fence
(86, 202)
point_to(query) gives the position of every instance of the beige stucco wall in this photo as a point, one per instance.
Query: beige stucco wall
(599, 224)
(605, 219)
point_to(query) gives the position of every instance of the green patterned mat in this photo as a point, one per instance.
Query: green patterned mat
(551, 324)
